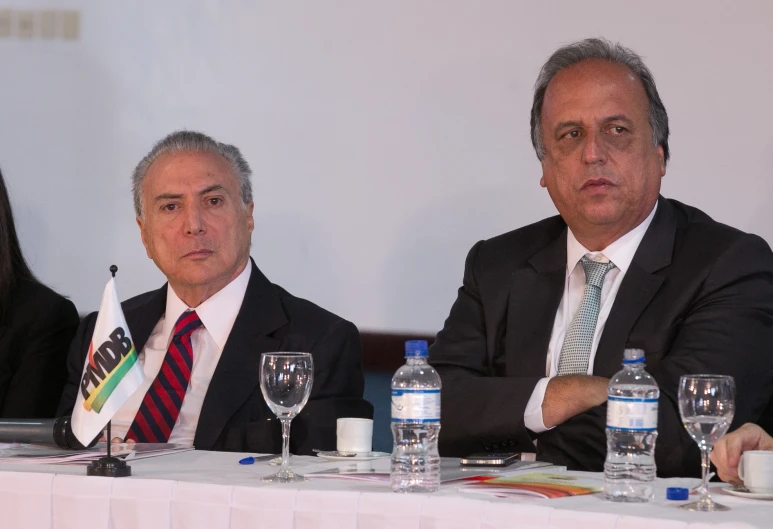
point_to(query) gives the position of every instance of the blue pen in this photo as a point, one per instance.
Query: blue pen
(250, 460)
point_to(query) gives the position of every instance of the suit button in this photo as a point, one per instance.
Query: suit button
(512, 443)
(487, 448)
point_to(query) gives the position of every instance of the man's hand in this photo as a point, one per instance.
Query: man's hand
(727, 452)
(570, 395)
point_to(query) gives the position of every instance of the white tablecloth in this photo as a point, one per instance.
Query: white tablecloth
(210, 490)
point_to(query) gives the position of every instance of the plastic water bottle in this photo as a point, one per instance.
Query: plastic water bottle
(415, 423)
(632, 422)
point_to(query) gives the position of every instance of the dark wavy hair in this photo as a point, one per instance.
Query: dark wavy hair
(13, 267)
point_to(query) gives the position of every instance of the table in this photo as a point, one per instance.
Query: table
(211, 490)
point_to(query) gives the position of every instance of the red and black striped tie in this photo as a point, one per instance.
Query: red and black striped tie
(161, 406)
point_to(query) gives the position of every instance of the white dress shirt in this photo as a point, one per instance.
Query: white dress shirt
(621, 253)
(217, 315)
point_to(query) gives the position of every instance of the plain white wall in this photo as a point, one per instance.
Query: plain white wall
(386, 137)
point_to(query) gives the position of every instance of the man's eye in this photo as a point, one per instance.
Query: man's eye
(214, 201)
(169, 207)
(617, 130)
(572, 134)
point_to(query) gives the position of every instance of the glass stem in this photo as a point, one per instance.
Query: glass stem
(286, 445)
(705, 467)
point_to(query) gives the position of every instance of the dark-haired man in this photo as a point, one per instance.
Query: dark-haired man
(545, 311)
(201, 335)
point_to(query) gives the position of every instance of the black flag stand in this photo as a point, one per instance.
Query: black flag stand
(109, 466)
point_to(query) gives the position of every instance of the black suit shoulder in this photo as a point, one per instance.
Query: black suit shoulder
(30, 298)
(491, 262)
(522, 243)
(33, 350)
(334, 342)
(694, 224)
(314, 321)
(141, 301)
(517, 246)
(713, 251)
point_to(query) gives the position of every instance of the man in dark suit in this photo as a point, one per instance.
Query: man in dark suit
(545, 311)
(218, 312)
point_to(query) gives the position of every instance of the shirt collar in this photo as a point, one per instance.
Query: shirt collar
(620, 252)
(217, 313)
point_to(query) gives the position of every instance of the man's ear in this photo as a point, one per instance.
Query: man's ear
(141, 224)
(250, 220)
(662, 158)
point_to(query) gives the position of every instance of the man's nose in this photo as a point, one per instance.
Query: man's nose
(194, 221)
(594, 150)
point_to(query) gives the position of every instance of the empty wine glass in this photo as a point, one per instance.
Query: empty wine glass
(707, 405)
(285, 381)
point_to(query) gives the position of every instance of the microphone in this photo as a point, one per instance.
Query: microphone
(52, 432)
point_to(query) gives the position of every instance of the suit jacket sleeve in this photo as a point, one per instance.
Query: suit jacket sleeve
(337, 390)
(481, 409)
(729, 330)
(76, 357)
(34, 387)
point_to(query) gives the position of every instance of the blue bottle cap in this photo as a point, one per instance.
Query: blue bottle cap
(677, 493)
(415, 348)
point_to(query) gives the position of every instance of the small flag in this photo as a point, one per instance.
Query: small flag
(111, 372)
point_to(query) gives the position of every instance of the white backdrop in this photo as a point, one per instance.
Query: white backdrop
(386, 137)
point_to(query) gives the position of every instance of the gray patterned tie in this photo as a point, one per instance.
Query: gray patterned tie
(575, 353)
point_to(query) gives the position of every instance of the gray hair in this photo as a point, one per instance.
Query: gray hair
(192, 141)
(598, 49)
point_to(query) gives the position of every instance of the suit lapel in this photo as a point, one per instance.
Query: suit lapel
(637, 289)
(535, 293)
(142, 319)
(236, 376)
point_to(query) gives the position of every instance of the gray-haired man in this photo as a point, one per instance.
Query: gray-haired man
(202, 334)
(545, 311)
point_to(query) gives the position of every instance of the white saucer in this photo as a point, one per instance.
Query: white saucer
(365, 456)
(744, 493)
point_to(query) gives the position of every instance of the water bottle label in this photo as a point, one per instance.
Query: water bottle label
(416, 405)
(639, 415)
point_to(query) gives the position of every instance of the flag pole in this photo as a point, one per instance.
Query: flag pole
(109, 466)
(113, 270)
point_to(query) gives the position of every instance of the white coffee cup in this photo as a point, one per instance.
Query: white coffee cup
(354, 435)
(756, 471)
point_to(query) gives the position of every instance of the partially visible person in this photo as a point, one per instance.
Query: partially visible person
(36, 328)
(727, 452)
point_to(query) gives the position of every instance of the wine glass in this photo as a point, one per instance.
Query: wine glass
(707, 405)
(285, 381)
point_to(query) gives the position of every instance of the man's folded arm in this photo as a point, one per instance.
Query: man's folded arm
(532, 415)
(479, 411)
(570, 395)
(729, 330)
(557, 399)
